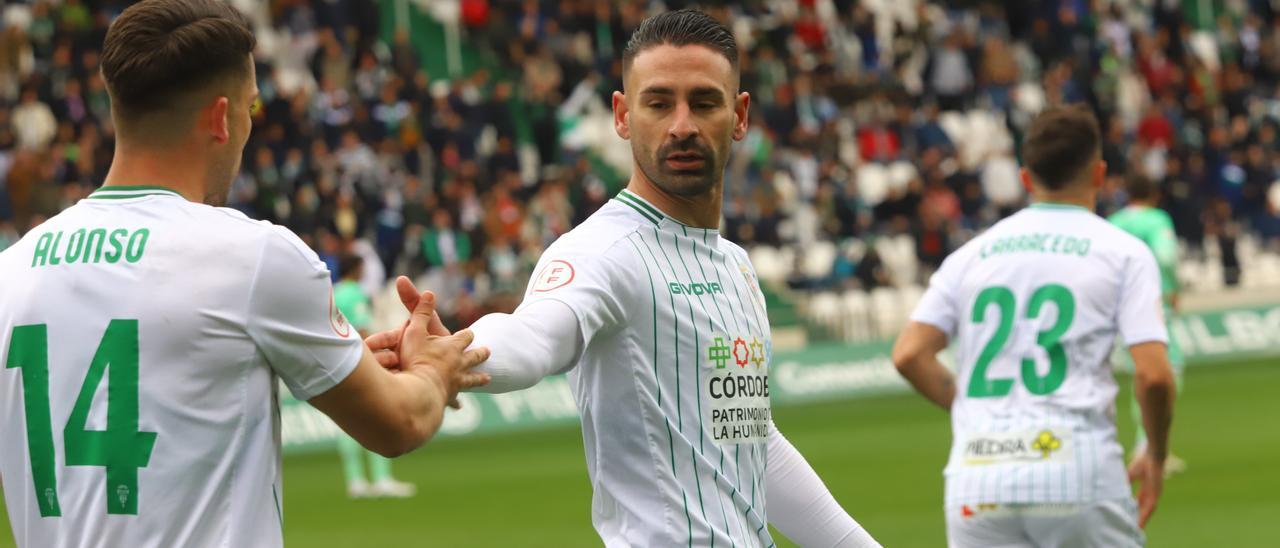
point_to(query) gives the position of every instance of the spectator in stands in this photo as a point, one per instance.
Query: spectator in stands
(951, 78)
(364, 140)
(33, 122)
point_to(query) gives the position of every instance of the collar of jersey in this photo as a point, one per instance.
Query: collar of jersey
(124, 192)
(1059, 206)
(653, 215)
(642, 206)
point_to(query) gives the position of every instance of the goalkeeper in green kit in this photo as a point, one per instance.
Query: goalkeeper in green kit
(1144, 219)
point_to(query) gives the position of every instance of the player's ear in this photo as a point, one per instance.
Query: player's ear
(1099, 174)
(216, 118)
(1026, 180)
(620, 122)
(741, 107)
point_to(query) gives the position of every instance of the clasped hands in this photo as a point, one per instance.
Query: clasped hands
(424, 345)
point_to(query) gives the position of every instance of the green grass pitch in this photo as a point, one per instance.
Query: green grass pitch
(881, 457)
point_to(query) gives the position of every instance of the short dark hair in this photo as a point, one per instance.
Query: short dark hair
(686, 27)
(348, 265)
(1139, 187)
(1060, 144)
(158, 51)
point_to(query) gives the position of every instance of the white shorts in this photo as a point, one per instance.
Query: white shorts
(1110, 524)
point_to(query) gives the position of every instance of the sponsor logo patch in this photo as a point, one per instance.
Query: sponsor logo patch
(735, 388)
(1005, 447)
(695, 288)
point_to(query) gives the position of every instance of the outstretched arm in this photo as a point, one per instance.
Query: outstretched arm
(538, 340)
(541, 339)
(801, 506)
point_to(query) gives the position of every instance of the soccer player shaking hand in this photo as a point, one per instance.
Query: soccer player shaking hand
(661, 324)
(144, 331)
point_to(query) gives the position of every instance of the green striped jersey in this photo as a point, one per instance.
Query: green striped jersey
(673, 384)
(1032, 308)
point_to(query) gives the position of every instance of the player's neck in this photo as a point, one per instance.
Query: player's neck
(142, 167)
(701, 211)
(1077, 199)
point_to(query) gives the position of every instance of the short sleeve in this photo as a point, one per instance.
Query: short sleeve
(591, 285)
(938, 307)
(294, 321)
(1141, 314)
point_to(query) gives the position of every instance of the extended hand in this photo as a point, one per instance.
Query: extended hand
(410, 297)
(443, 357)
(386, 344)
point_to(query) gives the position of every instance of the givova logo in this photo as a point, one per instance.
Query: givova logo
(695, 288)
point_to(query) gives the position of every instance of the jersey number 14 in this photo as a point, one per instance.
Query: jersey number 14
(980, 386)
(121, 448)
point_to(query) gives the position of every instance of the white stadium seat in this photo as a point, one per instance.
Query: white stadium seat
(873, 183)
(817, 259)
(857, 322)
(768, 264)
(886, 312)
(825, 309)
(910, 296)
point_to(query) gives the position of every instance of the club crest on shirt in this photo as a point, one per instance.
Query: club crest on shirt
(752, 286)
(336, 320)
(555, 275)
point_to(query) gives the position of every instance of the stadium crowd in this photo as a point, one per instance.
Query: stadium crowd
(868, 119)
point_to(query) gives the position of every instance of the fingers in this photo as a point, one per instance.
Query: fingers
(387, 359)
(410, 298)
(463, 338)
(474, 380)
(409, 294)
(385, 340)
(466, 382)
(422, 313)
(1146, 507)
(1135, 470)
(437, 328)
(474, 357)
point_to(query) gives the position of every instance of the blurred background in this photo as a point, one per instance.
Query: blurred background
(452, 141)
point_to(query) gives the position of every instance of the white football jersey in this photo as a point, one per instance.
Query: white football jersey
(142, 336)
(673, 382)
(1032, 308)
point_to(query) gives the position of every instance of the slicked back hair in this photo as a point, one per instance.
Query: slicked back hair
(159, 53)
(1061, 144)
(686, 27)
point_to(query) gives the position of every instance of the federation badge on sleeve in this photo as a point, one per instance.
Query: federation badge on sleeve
(336, 320)
(555, 275)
